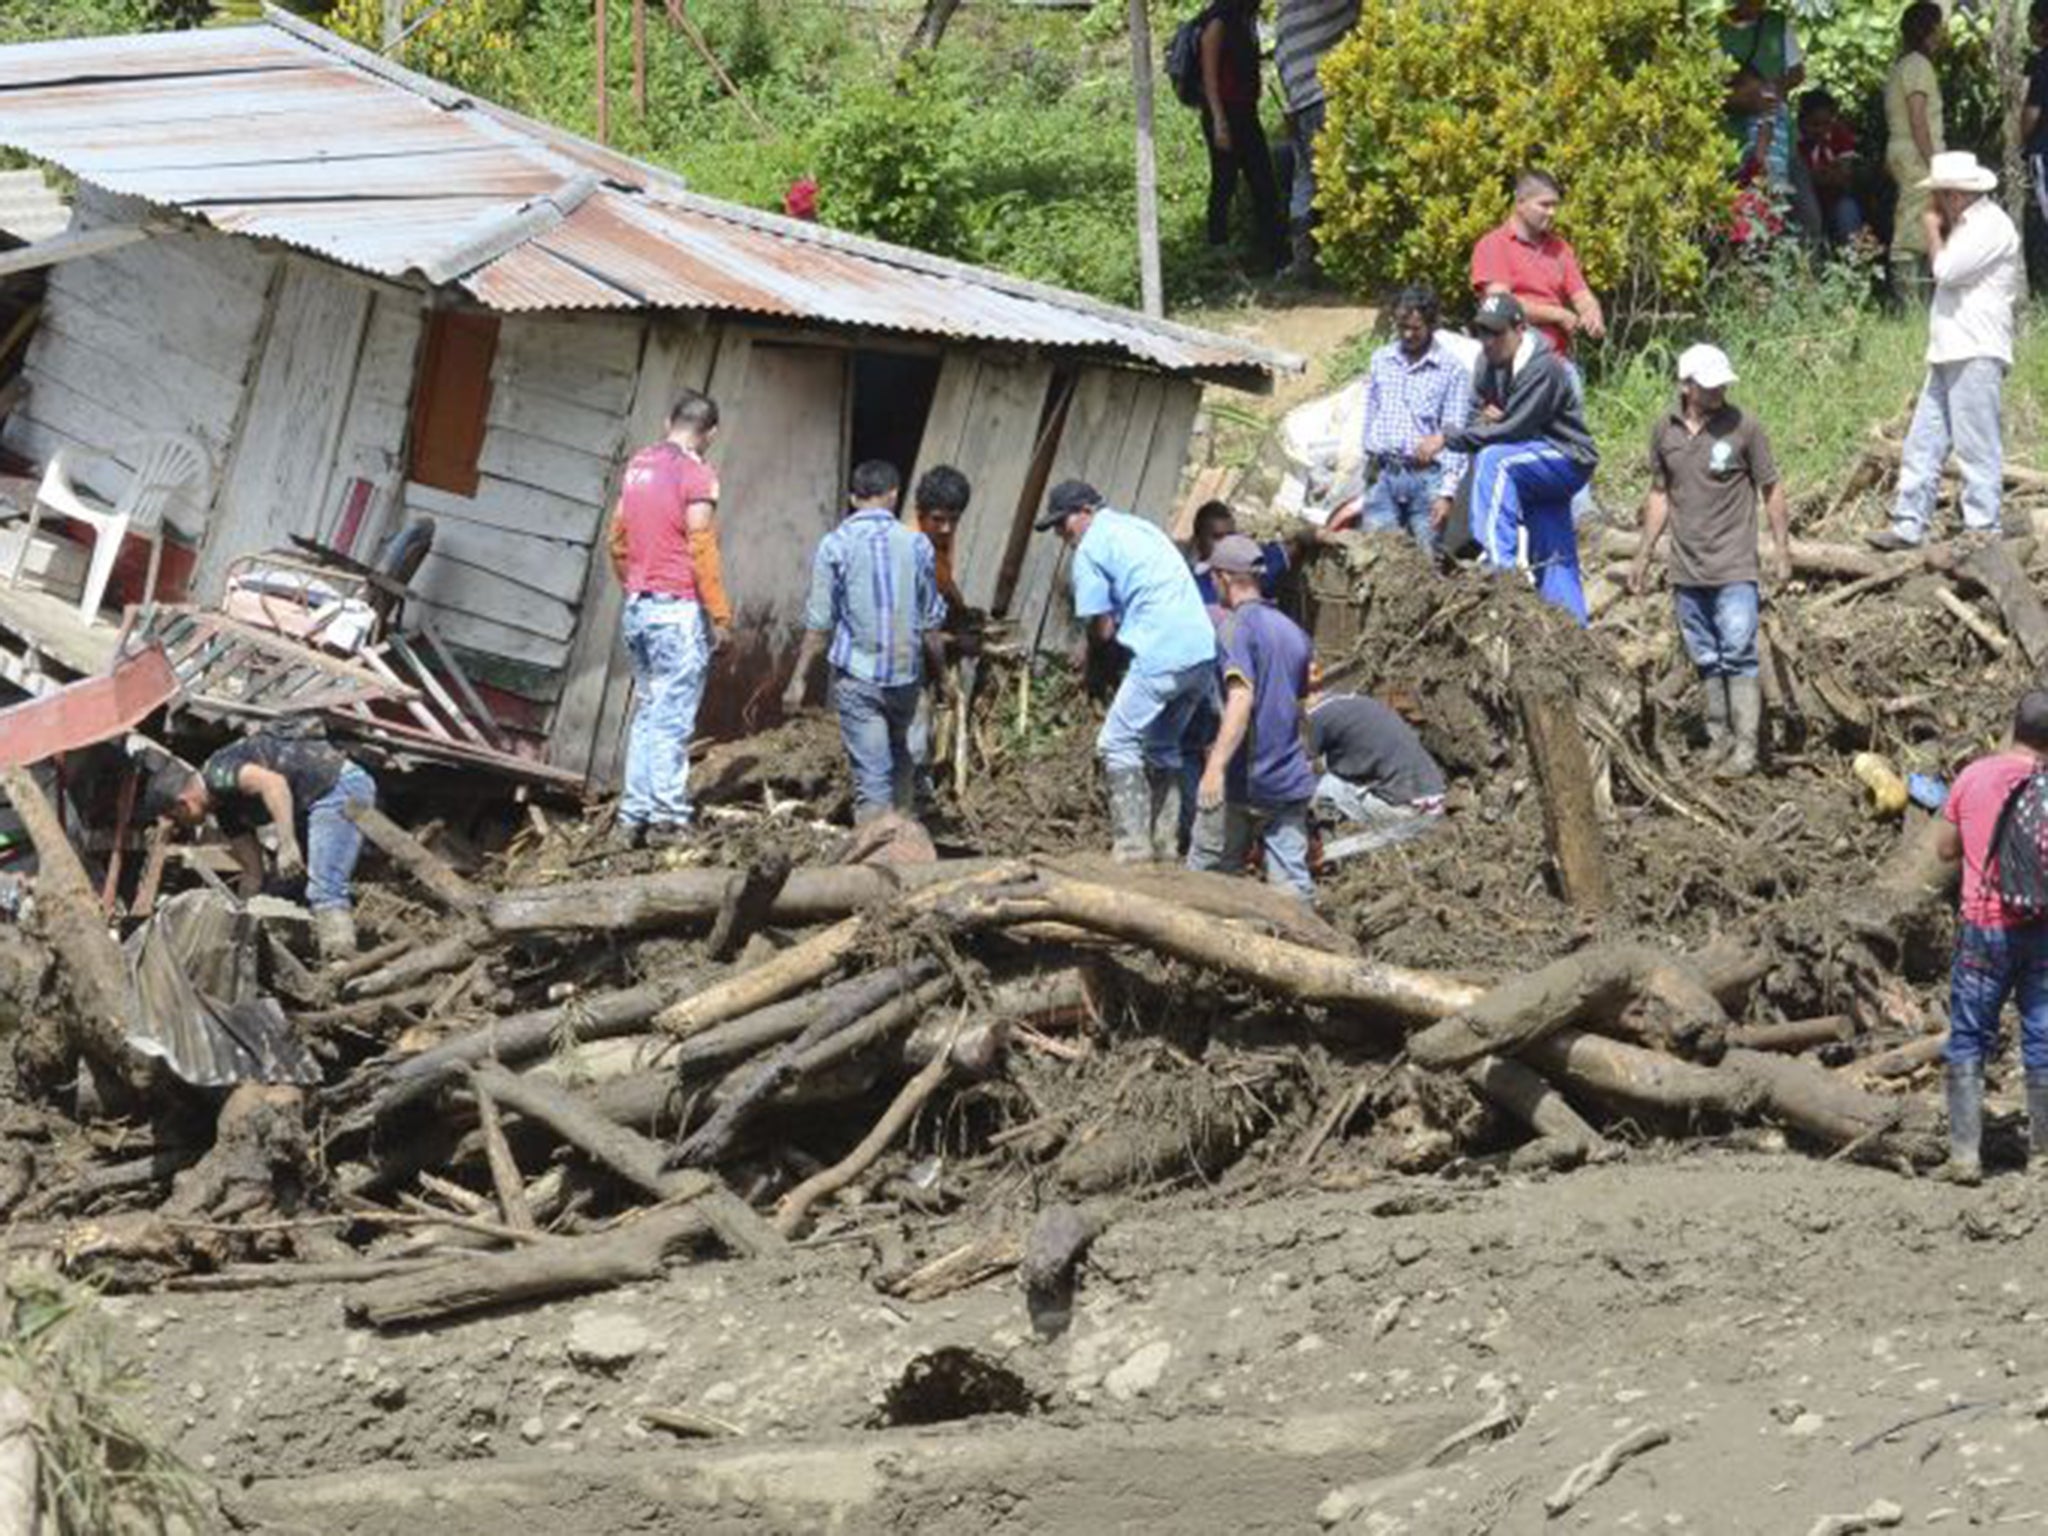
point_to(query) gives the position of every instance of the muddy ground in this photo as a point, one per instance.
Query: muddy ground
(1814, 1337)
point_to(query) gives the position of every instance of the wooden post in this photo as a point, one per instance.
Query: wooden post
(604, 106)
(1564, 776)
(394, 27)
(1148, 164)
(640, 57)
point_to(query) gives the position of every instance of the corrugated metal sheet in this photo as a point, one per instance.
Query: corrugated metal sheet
(286, 133)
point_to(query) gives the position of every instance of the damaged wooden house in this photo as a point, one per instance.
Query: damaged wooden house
(311, 307)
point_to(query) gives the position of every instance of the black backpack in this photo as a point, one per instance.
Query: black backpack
(1184, 57)
(2019, 850)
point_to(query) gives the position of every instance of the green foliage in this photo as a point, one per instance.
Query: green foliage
(468, 43)
(891, 160)
(1433, 108)
(1851, 45)
(27, 21)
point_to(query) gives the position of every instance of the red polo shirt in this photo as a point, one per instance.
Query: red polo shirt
(1545, 270)
(651, 535)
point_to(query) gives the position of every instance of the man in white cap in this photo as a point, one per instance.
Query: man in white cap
(1710, 464)
(1979, 274)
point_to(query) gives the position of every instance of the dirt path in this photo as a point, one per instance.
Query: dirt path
(1283, 1367)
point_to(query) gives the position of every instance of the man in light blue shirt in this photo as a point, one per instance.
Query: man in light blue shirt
(1134, 588)
(875, 602)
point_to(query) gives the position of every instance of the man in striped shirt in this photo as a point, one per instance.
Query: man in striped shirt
(874, 611)
(1306, 30)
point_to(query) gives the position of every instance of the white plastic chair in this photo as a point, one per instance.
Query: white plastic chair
(166, 466)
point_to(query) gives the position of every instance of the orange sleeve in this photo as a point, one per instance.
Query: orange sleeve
(615, 543)
(710, 576)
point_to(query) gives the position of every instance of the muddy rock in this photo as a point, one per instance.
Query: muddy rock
(1139, 1375)
(607, 1341)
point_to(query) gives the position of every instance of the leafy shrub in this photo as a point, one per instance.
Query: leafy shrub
(1434, 107)
(890, 163)
(468, 43)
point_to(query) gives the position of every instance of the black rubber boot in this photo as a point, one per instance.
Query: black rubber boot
(1965, 1163)
(2037, 1120)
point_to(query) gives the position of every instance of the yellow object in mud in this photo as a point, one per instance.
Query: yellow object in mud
(1887, 790)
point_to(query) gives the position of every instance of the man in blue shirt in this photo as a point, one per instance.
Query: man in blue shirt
(875, 598)
(1132, 587)
(1258, 781)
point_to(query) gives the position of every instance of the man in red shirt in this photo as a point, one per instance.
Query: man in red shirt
(664, 550)
(1529, 259)
(1999, 954)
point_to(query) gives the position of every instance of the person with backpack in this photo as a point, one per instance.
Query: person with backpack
(1213, 62)
(1995, 824)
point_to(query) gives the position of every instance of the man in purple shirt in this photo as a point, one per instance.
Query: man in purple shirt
(1258, 782)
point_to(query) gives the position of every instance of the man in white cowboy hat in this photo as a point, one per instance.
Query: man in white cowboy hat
(1979, 274)
(1710, 464)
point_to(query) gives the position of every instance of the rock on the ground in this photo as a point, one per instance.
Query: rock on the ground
(1138, 1375)
(607, 1341)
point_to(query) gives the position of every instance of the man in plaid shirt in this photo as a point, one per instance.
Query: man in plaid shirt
(1416, 388)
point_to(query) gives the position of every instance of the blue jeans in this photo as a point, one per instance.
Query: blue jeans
(1380, 823)
(1958, 409)
(670, 647)
(874, 723)
(1992, 964)
(1148, 718)
(333, 842)
(1525, 490)
(1401, 498)
(1224, 837)
(1718, 625)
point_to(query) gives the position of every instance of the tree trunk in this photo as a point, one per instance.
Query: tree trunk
(931, 26)
(1564, 775)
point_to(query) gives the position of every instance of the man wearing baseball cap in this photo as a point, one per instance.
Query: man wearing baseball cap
(1258, 782)
(1133, 588)
(1979, 274)
(1710, 464)
(1529, 454)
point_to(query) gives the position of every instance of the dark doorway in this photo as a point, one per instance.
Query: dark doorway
(892, 398)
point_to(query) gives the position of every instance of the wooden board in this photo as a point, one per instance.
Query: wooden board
(273, 485)
(545, 567)
(208, 325)
(1159, 487)
(131, 378)
(487, 637)
(580, 428)
(984, 422)
(372, 442)
(521, 509)
(515, 456)
(455, 586)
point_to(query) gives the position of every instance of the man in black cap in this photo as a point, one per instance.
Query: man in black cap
(1530, 453)
(1132, 587)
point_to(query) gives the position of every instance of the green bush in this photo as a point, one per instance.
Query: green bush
(1434, 107)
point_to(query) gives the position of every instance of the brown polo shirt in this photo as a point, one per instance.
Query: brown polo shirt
(1713, 478)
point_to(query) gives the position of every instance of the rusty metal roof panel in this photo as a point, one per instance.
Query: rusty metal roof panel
(288, 133)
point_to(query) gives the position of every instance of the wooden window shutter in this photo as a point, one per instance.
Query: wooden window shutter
(451, 400)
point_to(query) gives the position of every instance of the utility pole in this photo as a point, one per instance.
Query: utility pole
(394, 26)
(604, 104)
(640, 57)
(1148, 163)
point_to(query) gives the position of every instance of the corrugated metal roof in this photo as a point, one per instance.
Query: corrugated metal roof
(288, 133)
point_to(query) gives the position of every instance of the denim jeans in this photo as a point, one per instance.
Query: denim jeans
(1992, 964)
(1224, 837)
(670, 648)
(1381, 823)
(1525, 490)
(1718, 625)
(1958, 409)
(1305, 127)
(1148, 718)
(1401, 498)
(874, 723)
(333, 842)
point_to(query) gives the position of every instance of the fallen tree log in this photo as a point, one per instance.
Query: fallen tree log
(1593, 985)
(749, 898)
(1562, 1134)
(1795, 1035)
(96, 1025)
(1992, 567)
(1564, 780)
(634, 1251)
(1809, 557)
(1745, 1085)
(425, 866)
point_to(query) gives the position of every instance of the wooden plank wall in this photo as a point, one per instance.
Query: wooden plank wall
(1126, 434)
(507, 575)
(373, 433)
(159, 336)
(984, 422)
